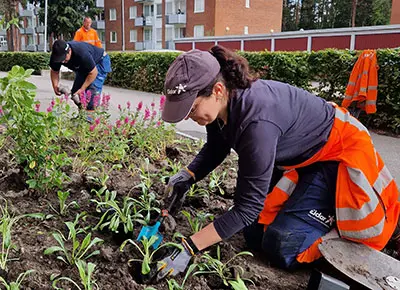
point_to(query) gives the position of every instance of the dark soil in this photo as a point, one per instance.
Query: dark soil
(32, 236)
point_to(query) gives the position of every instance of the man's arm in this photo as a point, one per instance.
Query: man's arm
(55, 79)
(89, 79)
(78, 36)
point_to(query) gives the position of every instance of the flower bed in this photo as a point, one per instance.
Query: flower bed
(73, 192)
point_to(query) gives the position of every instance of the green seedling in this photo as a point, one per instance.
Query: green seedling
(114, 215)
(147, 254)
(145, 206)
(7, 222)
(238, 284)
(215, 266)
(86, 272)
(63, 207)
(197, 222)
(216, 181)
(174, 285)
(103, 174)
(79, 250)
(104, 195)
(17, 284)
(197, 191)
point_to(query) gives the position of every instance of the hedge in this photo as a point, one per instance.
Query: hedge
(327, 70)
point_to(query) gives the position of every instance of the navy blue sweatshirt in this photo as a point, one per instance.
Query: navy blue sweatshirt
(269, 124)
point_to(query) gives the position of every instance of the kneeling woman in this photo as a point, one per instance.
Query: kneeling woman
(315, 161)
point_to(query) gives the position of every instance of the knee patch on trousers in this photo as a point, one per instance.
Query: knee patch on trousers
(282, 247)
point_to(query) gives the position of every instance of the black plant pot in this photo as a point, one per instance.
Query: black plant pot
(135, 269)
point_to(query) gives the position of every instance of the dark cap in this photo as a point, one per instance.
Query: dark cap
(190, 73)
(59, 51)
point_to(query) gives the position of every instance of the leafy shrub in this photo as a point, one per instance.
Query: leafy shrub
(28, 60)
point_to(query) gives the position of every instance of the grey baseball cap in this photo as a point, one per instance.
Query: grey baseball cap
(190, 73)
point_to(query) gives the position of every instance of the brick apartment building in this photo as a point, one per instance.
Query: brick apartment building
(154, 24)
(395, 16)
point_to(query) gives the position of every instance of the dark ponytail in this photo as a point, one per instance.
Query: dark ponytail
(234, 71)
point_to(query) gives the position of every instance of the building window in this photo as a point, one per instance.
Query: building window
(133, 35)
(179, 32)
(113, 36)
(132, 12)
(169, 33)
(147, 35)
(198, 6)
(159, 10)
(247, 3)
(113, 14)
(168, 8)
(148, 10)
(246, 30)
(198, 31)
(159, 34)
(102, 35)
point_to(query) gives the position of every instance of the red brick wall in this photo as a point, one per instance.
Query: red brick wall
(207, 18)
(113, 25)
(395, 17)
(261, 17)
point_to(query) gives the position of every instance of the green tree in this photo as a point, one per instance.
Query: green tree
(307, 15)
(381, 11)
(66, 16)
(289, 15)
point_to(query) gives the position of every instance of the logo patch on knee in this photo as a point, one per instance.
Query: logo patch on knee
(322, 219)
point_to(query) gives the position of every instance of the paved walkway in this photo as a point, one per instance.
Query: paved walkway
(388, 147)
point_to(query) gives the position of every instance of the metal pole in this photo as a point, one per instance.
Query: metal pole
(45, 26)
(123, 25)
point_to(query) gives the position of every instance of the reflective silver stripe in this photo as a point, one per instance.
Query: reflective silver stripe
(370, 88)
(348, 97)
(346, 117)
(364, 90)
(286, 185)
(347, 213)
(351, 83)
(365, 72)
(383, 180)
(367, 233)
(370, 102)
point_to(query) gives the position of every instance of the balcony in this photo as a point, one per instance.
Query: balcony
(169, 44)
(3, 47)
(144, 1)
(27, 13)
(144, 45)
(99, 25)
(3, 32)
(100, 3)
(31, 47)
(40, 47)
(176, 19)
(139, 45)
(27, 30)
(39, 29)
(144, 21)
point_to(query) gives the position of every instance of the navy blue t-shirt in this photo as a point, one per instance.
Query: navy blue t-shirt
(83, 59)
(269, 124)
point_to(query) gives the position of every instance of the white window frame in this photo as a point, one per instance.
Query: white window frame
(199, 6)
(247, 4)
(133, 35)
(196, 31)
(111, 37)
(113, 14)
(246, 30)
(132, 12)
(159, 13)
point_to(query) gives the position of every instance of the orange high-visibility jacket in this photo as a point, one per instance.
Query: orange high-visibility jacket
(367, 198)
(363, 83)
(89, 36)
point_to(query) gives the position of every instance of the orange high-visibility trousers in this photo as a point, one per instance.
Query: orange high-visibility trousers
(367, 198)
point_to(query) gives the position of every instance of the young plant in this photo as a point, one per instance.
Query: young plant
(103, 174)
(85, 272)
(216, 181)
(147, 254)
(197, 191)
(17, 284)
(62, 197)
(215, 266)
(114, 216)
(7, 222)
(197, 222)
(173, 285)
(79, 250)
(146, 204)
(239, 284)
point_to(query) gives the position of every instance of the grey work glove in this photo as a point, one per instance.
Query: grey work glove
(178, 185)
(76, 99)
(177, 261)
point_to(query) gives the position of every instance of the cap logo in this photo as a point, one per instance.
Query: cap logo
(177, 90)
